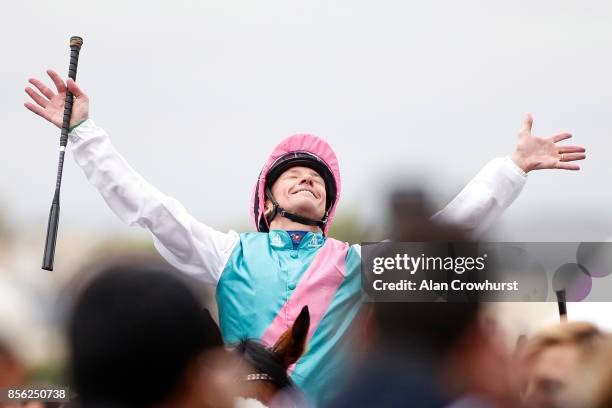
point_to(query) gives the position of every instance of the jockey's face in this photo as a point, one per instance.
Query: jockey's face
(300, 190)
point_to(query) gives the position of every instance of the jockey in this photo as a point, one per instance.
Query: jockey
(264, 278)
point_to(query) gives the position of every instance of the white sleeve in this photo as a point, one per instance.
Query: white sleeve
(187, 244)
(485, 197)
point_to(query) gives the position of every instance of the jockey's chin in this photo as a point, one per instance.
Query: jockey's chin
(303, 205)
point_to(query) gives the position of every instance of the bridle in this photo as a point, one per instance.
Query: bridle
(258, 377)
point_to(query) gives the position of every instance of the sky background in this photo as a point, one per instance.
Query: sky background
(195, 94)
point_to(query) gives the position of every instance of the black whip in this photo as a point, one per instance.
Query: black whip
(49, 255)
(561, 302)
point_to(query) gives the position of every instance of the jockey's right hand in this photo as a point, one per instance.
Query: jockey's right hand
(50, 105)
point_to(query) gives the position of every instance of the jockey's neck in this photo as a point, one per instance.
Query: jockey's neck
(282, 223)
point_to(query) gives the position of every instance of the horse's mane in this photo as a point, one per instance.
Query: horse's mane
(264, 361)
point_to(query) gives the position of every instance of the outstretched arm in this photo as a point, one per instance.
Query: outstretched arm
(498, 184)
(189, 245)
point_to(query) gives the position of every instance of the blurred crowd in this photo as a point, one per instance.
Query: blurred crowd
(139, 334)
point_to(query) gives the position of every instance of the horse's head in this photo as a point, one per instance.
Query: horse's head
(269, 364)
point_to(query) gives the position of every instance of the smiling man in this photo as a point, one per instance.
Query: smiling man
(264, 278)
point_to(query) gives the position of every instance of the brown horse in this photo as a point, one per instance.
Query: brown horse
(268, 381)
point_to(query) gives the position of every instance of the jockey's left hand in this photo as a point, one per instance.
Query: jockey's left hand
(536, 153)
(50, 105)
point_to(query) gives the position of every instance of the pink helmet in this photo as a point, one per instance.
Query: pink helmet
(298, 150)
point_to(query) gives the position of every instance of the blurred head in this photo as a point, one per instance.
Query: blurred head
(551, 358)
(593, 383)
(24, 335)
(134, 336)
(450, 337)
(446, 323)
(12, 371)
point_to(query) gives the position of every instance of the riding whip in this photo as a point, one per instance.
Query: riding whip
(75, 48)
